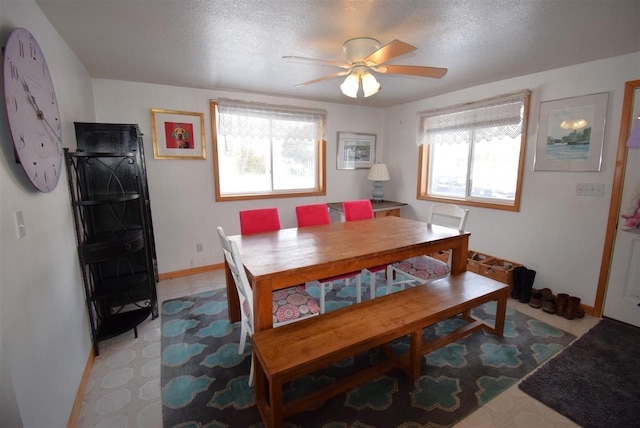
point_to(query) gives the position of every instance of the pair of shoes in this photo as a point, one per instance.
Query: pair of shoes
(522, 283)
(550, 304)
(573, 309)
(538, 297)
(565, 306)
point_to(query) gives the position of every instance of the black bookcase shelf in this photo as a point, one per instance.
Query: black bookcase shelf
(111, 207)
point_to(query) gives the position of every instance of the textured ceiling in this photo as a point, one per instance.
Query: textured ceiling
(239, 44)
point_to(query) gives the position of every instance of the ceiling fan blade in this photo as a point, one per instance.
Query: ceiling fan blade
(389, 51)
(316, 61)
(413, 70)
(320, 79)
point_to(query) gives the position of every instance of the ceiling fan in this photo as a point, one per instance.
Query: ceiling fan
(364, 55)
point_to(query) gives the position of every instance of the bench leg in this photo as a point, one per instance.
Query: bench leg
(415, 354)
(501, 311)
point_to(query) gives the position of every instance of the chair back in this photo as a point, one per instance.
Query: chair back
(357, 210)
(259, 220)
(448, 215)
(312, 215)
(234, 261)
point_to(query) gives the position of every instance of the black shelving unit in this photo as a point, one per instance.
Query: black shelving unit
(116, 249)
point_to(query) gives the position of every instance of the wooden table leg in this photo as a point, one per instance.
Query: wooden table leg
(459, 255)
(233, 302)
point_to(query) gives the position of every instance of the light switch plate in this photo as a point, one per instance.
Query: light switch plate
(22, 231)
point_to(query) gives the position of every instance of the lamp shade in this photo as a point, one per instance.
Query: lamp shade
(370, 85)
(634, 138)
(350, 85)
(378, 172)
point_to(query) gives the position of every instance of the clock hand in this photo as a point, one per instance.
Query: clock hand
(44, 119)
(31, 98)
(39, 112)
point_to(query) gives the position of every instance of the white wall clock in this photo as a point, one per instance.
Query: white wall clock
(32, 110)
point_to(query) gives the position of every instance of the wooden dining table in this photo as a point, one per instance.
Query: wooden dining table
(288, 257)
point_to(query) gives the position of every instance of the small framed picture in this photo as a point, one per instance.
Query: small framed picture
(177, 134)
(571, 133)
(356, 150)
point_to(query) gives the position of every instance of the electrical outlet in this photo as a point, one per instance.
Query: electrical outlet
(199, 247)
(590, 189)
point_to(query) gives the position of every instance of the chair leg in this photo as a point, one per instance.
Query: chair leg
(243, 336)
(322, 297)
(372, 284)
(389, 278)
(251, 372)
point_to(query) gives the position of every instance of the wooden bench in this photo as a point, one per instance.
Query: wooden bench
(298, 349)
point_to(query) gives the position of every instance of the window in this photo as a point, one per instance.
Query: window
(264, 151)
(473, 154)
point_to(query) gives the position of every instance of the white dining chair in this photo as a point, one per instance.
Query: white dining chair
(423, 269)
(289, 305)
(315, 215)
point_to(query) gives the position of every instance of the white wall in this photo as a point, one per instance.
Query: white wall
(44, 332)
(556, 232)
(183, 203)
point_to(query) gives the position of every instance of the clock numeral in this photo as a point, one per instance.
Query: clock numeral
(22, 142)
(32, 51)
(21, 48)
(14, 71)
(13, 102)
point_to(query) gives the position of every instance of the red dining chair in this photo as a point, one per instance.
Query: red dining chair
(357, 210)
(289, 305)
(314, 215)
(361, 209)
(423, 269)
(259, 220)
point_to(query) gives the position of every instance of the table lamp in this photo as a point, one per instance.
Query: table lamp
(378, 173)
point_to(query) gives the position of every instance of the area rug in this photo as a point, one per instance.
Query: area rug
(204, 380)
(595, 382)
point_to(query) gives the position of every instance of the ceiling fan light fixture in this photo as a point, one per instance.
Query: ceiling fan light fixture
(370, 86)
(351, 85)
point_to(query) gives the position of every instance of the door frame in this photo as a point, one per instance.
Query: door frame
(616, 195)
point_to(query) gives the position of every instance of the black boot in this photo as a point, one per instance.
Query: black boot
(527, 284)
(518, 275)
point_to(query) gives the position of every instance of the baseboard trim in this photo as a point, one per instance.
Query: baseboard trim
(77, 404)
(191, 271)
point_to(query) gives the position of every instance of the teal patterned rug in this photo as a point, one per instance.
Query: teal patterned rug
(204, 380)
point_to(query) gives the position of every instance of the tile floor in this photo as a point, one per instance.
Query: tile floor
(124, 385)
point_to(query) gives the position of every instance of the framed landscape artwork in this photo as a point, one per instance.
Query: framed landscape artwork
(177, 134)
(355, 150)
(571, 133)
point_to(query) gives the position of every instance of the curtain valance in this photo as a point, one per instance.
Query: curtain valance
(256, 120)
(490, 118)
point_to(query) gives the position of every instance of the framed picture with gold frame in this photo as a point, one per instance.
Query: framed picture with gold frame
(177, 134)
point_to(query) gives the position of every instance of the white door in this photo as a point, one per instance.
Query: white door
(623, 288)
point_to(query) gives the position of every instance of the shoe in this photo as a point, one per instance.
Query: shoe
(573, 309)
(528, 277)
(549, 305)
(518, 273)
(538, 297)
(561, 304)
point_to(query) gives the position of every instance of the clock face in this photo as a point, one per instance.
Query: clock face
(32, 110)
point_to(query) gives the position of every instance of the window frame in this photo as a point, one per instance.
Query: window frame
(321, 176)
(424, 154)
